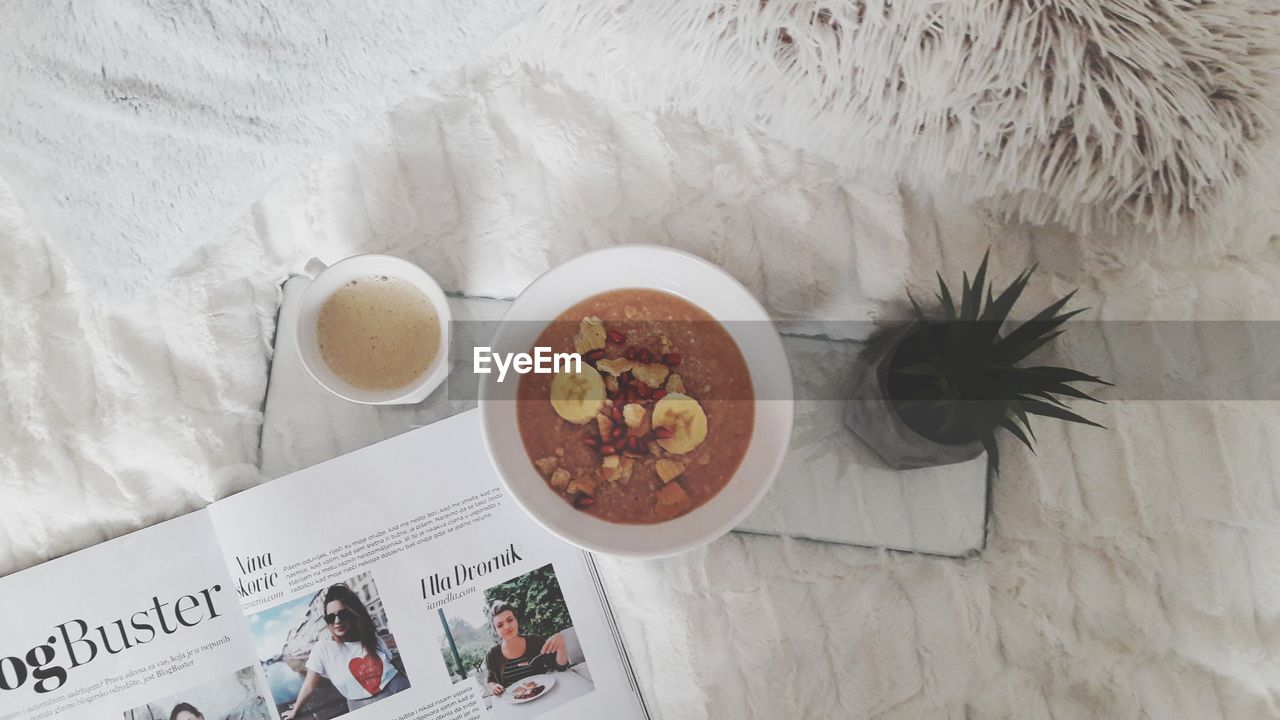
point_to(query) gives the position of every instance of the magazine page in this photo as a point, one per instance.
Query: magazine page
(143, 627)
(399, 581)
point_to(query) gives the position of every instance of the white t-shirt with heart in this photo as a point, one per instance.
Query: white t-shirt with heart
(345, 665)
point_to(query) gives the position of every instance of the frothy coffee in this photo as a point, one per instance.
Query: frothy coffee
(378, 333)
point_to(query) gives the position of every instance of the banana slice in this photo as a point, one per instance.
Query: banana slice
(684, 417)
(577, 397)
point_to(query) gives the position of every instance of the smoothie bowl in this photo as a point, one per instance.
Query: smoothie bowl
(671, 427)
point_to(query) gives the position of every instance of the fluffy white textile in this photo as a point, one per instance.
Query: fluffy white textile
(1129, 573)
(136, 130)
(1087, 113)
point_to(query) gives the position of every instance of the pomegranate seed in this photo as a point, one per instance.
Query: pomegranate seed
(616, 337)
(644, 391)
(616, 413)
(593, 355)
(645, 355)
(584, 501)
(608, 449)
(633, 443)
(617, 432)
(632, 394)
(671, 359)
(590, 441)
(663, 433)
(659, 393)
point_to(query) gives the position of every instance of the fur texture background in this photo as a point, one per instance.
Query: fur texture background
(137, 130)
(1095, 114)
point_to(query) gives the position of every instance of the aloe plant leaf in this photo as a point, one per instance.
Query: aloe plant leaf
(998, 309)
(916, 309)
(1022, 415)
(1021, 380)
(1011, 349)
(1061, 374)
(948, 303)
(993, 451)
(1013, 428)
(1046, 397)
(971, 303)
(1063, 389)
(1044, 321)
(1038, 407)
(966, 292)
(1050, 312)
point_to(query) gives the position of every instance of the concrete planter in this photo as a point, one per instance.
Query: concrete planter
(871, 415)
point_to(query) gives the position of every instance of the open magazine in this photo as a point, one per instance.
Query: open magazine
(395, 582)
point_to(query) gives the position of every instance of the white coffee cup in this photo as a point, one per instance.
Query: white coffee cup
(325, 280)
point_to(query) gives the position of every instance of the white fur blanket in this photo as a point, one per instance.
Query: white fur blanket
(1129, 573)
(136, 130)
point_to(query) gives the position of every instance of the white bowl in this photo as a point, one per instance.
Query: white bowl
(705, 285)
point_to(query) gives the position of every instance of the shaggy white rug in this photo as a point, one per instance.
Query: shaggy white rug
(1144, 113)
(1128, 574)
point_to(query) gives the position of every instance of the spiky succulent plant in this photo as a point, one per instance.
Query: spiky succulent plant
(958, 378)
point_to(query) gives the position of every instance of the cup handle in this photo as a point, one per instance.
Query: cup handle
(314, 267)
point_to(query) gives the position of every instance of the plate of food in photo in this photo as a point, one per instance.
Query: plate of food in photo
(674, 424)
(530, 689)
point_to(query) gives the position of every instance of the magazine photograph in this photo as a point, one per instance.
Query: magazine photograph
(518, 643)
(232, 697)
(330, 652)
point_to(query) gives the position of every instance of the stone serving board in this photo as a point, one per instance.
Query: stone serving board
(832, 487)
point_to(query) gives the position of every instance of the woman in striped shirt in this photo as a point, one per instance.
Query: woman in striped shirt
(517, 656)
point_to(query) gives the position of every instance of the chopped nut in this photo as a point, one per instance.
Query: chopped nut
(651, 374)
(672, 494)
(609, 468)
(641, 427)
(591, 335)
(604, 424)
(547, 464)
(668, 470)
(705, 459)
(559, 452)
(630, 311)
(633, 415)
(559, 478)
(614, 468)
(584, 484)
(675, 383)
(614, 367)
(610, 384)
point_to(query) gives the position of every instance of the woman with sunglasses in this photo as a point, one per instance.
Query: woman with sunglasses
(353, 657)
